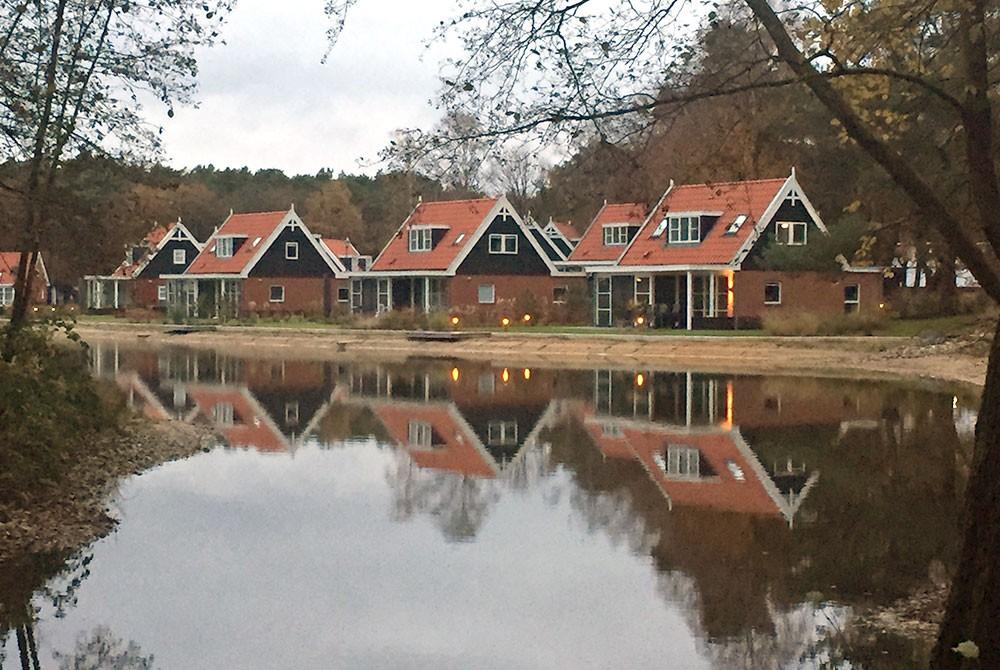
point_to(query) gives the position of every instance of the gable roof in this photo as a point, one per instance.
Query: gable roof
(758, 200)
(341, 248)
(460, 220)
(259, 230)
(591, 246)
(10, 261)
(566, 229)
(255, 227)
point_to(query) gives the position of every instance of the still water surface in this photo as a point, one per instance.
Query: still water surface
(456, 514)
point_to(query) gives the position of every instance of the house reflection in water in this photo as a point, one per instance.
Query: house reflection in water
(715, 478)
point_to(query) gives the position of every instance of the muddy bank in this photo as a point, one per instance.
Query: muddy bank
(76, 513)
(961, 360)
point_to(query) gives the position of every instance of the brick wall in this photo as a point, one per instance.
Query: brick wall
(513, 293)
(144, 293)
(303, 295)
(819, 293)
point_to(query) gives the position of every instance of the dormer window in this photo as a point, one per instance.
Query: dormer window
(291, 251)
(616, 235)
(224, 247)
(791, 233)
(420, 239)
(683, 229)
(180, 256)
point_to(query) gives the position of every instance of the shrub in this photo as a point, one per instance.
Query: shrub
(808, 324)
(51, 408)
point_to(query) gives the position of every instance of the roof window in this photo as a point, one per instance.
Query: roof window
(736, 224)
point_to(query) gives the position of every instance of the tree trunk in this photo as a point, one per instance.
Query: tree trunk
(973, 609)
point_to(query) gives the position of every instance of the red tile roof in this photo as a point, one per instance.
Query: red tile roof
(457, 454)
(567, 230)
(722, 491)
(251, 425)
(459, 217)
(9, 262)
(591, 246)
(341, 248)
(730, 198)
(249, 226)
(127, 269)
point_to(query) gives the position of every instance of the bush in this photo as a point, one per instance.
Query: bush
(808, 324)
(51, 408)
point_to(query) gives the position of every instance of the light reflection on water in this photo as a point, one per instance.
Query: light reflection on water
(460, 514)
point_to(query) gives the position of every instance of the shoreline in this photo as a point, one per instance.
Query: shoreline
(946, 361)
(80, 510)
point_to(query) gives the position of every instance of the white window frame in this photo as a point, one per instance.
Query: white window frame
(684, 229)
(161, 293)
(772, 302)
(615, 234)
(6, 296)
(341, 289)
(225, 247)
(493, 294)
(270, 293)
(501, 433)
(784, 233)
(856, 303)
(291, 251)
(681, 461)
(565, 294)
(420, 239)
(420, 434)
(224, 414)
(503, 243)
(180, 256)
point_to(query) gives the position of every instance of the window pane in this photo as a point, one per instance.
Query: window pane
(772, 293)
(486, 293)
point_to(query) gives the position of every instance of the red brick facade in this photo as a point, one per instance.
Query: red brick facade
(820, 293)
(515, 294)
(302, 295)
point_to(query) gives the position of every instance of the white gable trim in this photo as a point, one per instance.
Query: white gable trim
(646, 221)
(178, 232)
(502, 207)
(292, 220)
(398, 233)
(531, 223)
(769, 213)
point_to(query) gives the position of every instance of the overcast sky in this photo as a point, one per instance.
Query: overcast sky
(265, 100)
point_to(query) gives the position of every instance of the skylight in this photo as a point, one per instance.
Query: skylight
(735, 225)
(458, 240)
(660, 227)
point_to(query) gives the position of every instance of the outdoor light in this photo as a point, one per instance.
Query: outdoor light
(454, 320)
(526, 318)
(527, 374)
(455, 374)
(505, 322)
(640, 380)
(639, 320)
(881, 305)
(505, 376)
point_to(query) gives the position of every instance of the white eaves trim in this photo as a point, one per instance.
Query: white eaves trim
(178, 232)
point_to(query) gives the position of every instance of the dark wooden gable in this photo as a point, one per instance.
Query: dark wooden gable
(789, 213)
(274, 264)
(163, 262)
(526, 261)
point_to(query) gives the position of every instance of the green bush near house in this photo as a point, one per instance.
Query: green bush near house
(51, 409)
(807, 324)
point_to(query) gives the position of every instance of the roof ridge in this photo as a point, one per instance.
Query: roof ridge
(729, 183)
(270, 211)
(444, 202)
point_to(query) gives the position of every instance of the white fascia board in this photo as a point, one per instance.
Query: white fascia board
(647, 220)
(399, 230)
(400, 273)
(765, 220)
(292, 219)
(654, 269)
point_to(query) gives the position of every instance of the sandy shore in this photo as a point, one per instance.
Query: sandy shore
(949, 361)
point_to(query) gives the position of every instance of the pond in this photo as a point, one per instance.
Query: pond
(420, 513)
